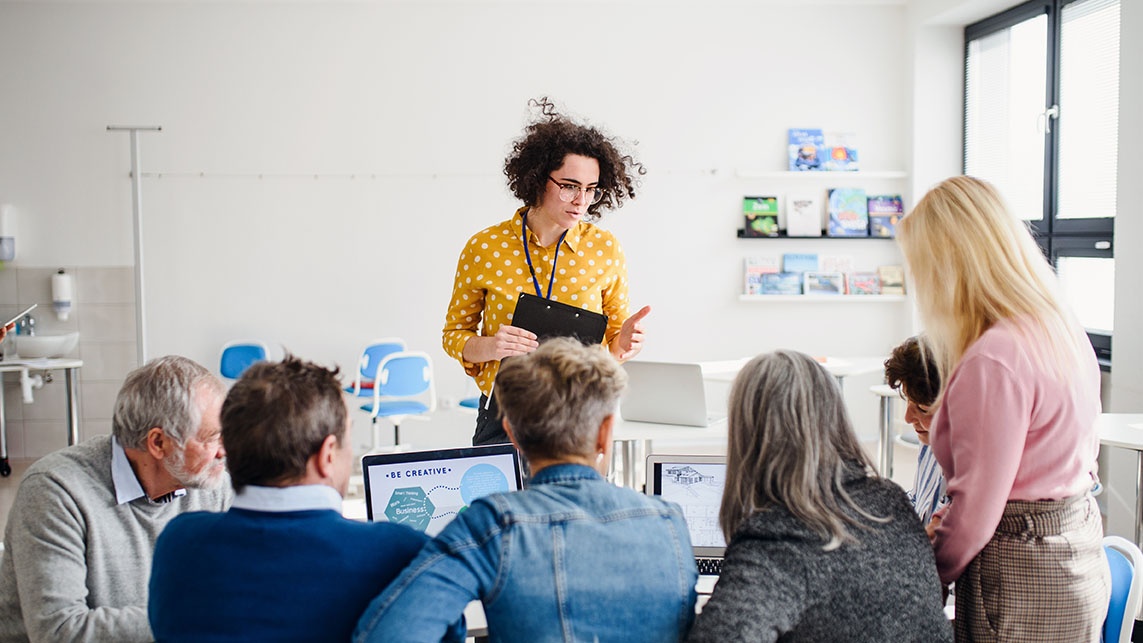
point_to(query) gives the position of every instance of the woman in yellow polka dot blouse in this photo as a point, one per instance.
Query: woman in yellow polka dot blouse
(566, 174)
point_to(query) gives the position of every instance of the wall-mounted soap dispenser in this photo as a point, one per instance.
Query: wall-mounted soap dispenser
(62, 294)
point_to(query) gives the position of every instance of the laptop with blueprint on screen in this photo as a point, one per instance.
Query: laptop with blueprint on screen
(666, 393)
(427, 489)
(694, 482)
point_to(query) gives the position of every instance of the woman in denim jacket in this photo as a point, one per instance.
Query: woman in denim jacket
(570, 558)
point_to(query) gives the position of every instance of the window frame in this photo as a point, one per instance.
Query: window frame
(1074, 237)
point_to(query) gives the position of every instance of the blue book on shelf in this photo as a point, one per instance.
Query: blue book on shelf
(805, 149)
(782, 283)
(885, 212)
(848, 213)
(800, 262)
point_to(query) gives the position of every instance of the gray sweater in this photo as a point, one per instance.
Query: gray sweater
(778, 584)
(75, 565)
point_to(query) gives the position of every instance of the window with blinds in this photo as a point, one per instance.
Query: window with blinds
(1041, 122)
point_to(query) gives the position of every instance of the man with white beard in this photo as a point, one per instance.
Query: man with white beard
(82, 529)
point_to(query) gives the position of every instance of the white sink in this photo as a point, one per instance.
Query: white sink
(36, 346)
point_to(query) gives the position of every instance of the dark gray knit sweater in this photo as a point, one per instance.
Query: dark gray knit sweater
(778, 584)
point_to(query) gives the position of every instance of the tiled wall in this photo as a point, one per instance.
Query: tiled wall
(104, 314)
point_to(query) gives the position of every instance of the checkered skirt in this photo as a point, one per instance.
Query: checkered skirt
(1043, 577)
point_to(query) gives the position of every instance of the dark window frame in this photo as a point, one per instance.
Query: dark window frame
(1056, 237)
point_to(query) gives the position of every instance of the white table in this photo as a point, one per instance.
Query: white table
(26, 367)
(1125, 430)
(632, 440)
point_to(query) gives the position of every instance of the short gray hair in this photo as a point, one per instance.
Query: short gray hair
(161, 393)
(556, 397)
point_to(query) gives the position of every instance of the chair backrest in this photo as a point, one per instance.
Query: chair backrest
(237, 356)
(405, 374)
(374, 353)
(1126, 563)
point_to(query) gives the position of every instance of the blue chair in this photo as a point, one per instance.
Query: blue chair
(1126, 563)
(237, 356)
(403, 387)
(367, 364)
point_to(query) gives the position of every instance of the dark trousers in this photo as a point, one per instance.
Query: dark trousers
(489, 430)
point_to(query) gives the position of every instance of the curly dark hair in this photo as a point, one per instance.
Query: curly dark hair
(545, 144)
(911, 367)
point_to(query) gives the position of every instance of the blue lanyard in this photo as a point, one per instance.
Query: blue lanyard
(528, 256)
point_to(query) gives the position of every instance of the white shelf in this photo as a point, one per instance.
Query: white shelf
(822, 176)
(831, 299)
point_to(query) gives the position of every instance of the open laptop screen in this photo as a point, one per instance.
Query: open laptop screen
(427, 489)
(694, 482)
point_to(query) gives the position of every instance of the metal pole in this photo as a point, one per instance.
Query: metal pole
(137, 219)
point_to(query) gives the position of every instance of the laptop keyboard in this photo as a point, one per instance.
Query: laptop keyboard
(709, 566)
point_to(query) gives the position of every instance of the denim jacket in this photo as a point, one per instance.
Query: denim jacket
(570, 558)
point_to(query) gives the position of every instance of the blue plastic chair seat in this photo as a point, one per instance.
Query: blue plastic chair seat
(1121, 578)
(398, 407)
(470, 402)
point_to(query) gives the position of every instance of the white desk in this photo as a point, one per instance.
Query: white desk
(1125, 430)
(885, 447)
(632, 440)
(25, 367)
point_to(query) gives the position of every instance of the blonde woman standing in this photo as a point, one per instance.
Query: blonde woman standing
(1015, 429)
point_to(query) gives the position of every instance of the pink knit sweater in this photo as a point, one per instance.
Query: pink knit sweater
(1008, 429)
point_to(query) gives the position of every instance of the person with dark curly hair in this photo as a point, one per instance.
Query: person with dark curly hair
(567, 175)
(911, 372)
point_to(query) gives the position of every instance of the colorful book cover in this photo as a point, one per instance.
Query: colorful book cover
(804, 215)
(840, 152)
(782, 283)
(848, 213)
(892, 280)
(825, 283)
(805, 148)
(885, 211)
(754, 268)
(863, 283)
(800, 262)
(761, 213)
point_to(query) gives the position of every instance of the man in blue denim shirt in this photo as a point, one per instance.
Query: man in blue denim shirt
(571, 558)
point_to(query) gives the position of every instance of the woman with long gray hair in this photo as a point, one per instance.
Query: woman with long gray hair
(820, 549)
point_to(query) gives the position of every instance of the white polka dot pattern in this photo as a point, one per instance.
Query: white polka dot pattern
(484, 296)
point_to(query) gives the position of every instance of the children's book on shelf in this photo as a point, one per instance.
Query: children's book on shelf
(804, 149)
(892, 280)
(840, 152)
(848, 213)
(761, 214)
(825, 283)
(800, 262)
(863, 283)
(782, 283)
(804, 214)
(754, 268)
(885, 211)
(835, 263)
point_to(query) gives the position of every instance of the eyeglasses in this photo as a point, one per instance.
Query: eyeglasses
(570, 192)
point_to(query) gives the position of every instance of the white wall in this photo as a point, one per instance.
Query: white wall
(418, 102)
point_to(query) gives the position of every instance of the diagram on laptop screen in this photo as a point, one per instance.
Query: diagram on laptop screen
(428, 495)
(697, 488)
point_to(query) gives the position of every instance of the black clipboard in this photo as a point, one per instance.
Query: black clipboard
(547, 318)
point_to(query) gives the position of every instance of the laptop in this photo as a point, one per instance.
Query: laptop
(427, 489)
(694, 482)
(666, 393)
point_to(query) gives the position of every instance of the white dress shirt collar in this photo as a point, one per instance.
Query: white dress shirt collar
(305, 497)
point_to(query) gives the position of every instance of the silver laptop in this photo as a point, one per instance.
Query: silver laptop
(666, 393)
(427, 489)
(694, 482)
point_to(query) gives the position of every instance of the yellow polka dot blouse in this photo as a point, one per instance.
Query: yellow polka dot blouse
(492, 272)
